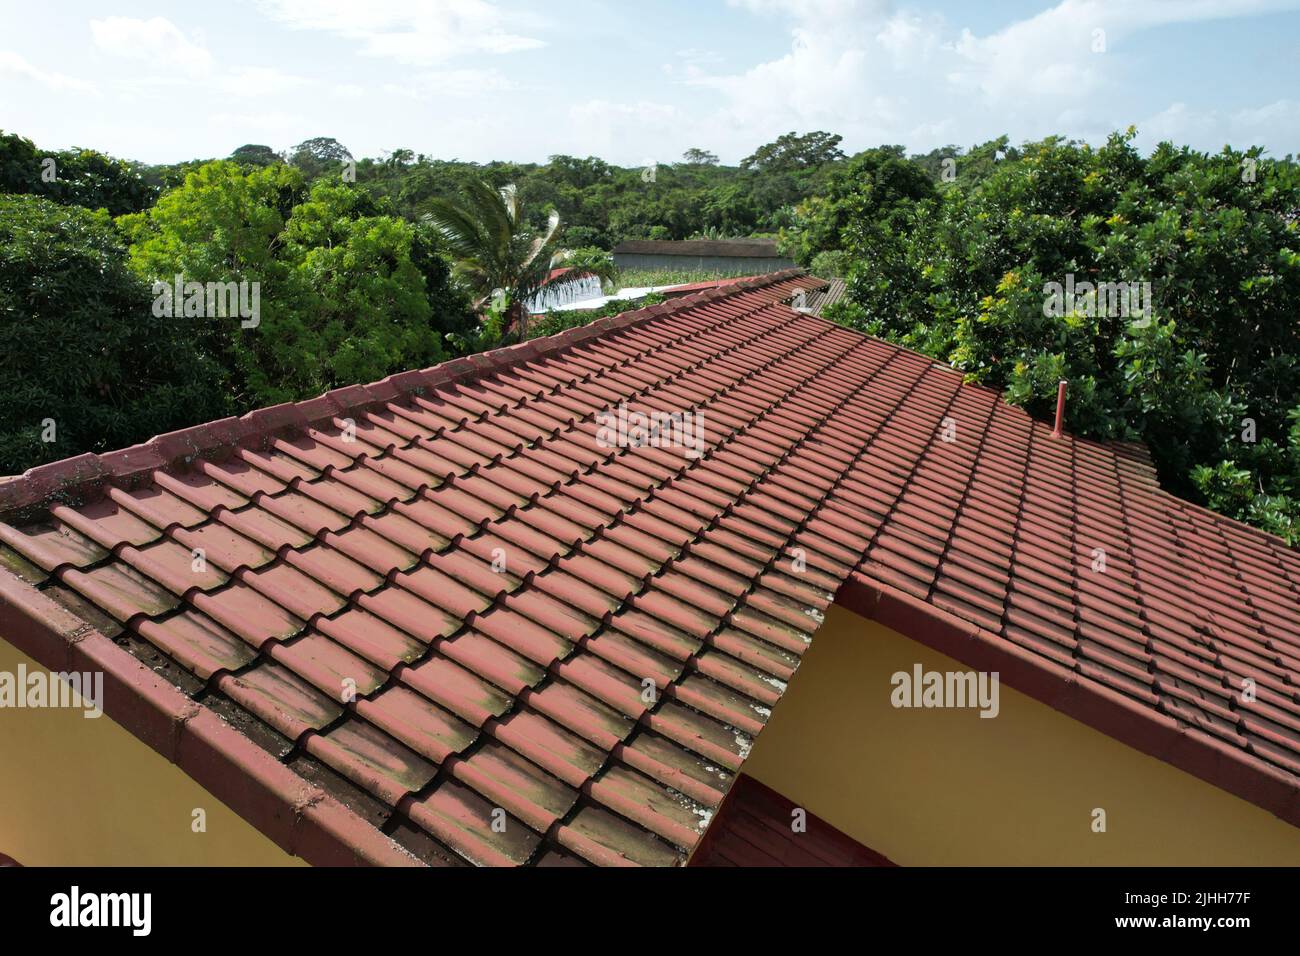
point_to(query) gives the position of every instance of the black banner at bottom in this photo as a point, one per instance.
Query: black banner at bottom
(334, 906)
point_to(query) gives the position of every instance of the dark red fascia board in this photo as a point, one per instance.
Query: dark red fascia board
(300, 818)
(1076, 695)
(747, 790)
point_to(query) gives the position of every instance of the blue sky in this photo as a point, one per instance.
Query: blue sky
(641, 82)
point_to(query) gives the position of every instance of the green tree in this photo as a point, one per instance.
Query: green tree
(401, 157)
(794, 152)
(699, 157)
(576, 237)
(949, 163)
(85, 364)
(319, 155)
(501, 259)
(347, 293)
(875, 190)
(80, 177)
(1205, 371)
(254, 154)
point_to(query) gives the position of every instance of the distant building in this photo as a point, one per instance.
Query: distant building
(726, 257)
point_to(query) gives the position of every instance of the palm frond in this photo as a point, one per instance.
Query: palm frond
(486, 232)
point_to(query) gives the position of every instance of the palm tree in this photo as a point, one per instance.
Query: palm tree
(497, 255)
(589, 261)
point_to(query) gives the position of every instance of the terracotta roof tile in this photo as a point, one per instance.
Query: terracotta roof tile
(529, 644)
(417, 722)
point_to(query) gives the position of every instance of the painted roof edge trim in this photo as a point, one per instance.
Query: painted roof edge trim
(1076, 695)
(70, 477)
(300, 818)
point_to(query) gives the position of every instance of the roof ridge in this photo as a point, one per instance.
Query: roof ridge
(70, 477)
(1133, 451)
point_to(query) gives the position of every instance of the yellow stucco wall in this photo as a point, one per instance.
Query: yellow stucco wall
(85, 792)
(945, 786)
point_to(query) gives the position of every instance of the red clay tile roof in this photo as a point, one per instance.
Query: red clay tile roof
(354, 669)
(439, 607)
(755, 827)
(673, 291)
(817, 301)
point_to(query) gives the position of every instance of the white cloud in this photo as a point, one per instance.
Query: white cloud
(288, 127)
(699, 57)
(603, 128)
(876, 73)
(16, 65)
(457, 83)
(156, 40)
(182, 61)
(410, 31)
(244, 82)
(692, 63)
(1276, 122)
(810, 10)
(259, 81)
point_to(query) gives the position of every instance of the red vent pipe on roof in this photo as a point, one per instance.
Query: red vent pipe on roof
(1060, 408)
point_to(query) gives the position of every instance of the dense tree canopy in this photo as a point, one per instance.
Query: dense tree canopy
(255, 154)
(876, 189)
(1184, 331)
(699, 157)
(85, 365)
(793, 152)
(347, 294)
(320, 155)
(602, 205)
(79, 177)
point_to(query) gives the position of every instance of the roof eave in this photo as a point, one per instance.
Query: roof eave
(1076, 695)
(300, 818)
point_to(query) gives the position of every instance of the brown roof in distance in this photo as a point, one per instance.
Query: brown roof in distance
(735, 248)
(444, 602)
